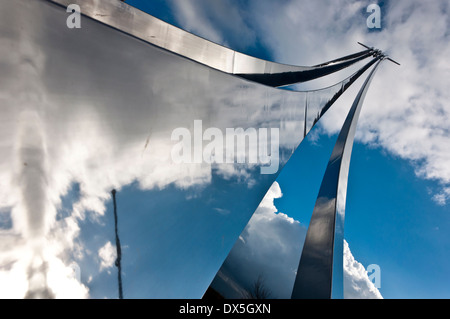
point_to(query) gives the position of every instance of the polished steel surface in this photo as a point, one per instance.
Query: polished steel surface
(150, 29)
(235, 277)
(130, 20)
(85, 111)
(287, 78)
(320, 271)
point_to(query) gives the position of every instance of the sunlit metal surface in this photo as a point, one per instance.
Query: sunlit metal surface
(152, 30)
(320, 272)
(231, 281)
(287, 78)
(85, 111)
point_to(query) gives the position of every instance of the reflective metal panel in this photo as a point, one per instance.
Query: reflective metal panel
(320, 272)
(85, 111)
(245, 266)
(291, 77)
(152, 30)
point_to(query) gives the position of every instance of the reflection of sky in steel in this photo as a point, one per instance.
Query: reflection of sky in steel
(152, 30)
(80, 116)
(320, 272)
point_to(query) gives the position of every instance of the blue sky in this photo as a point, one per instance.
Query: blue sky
(391, 218)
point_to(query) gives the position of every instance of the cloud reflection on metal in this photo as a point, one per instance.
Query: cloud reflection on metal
(95, 93)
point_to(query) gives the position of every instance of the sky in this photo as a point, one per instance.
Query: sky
(55, 205)
(397, 213)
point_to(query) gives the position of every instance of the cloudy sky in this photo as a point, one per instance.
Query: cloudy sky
(69, 141)
(399, 189)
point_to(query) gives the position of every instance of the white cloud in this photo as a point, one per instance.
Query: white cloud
(442, 197)
(186, 12)
(357, 284)
(107, 255)
(35, 263)
(215, 21)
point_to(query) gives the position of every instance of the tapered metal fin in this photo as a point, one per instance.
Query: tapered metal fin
(320, 271)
